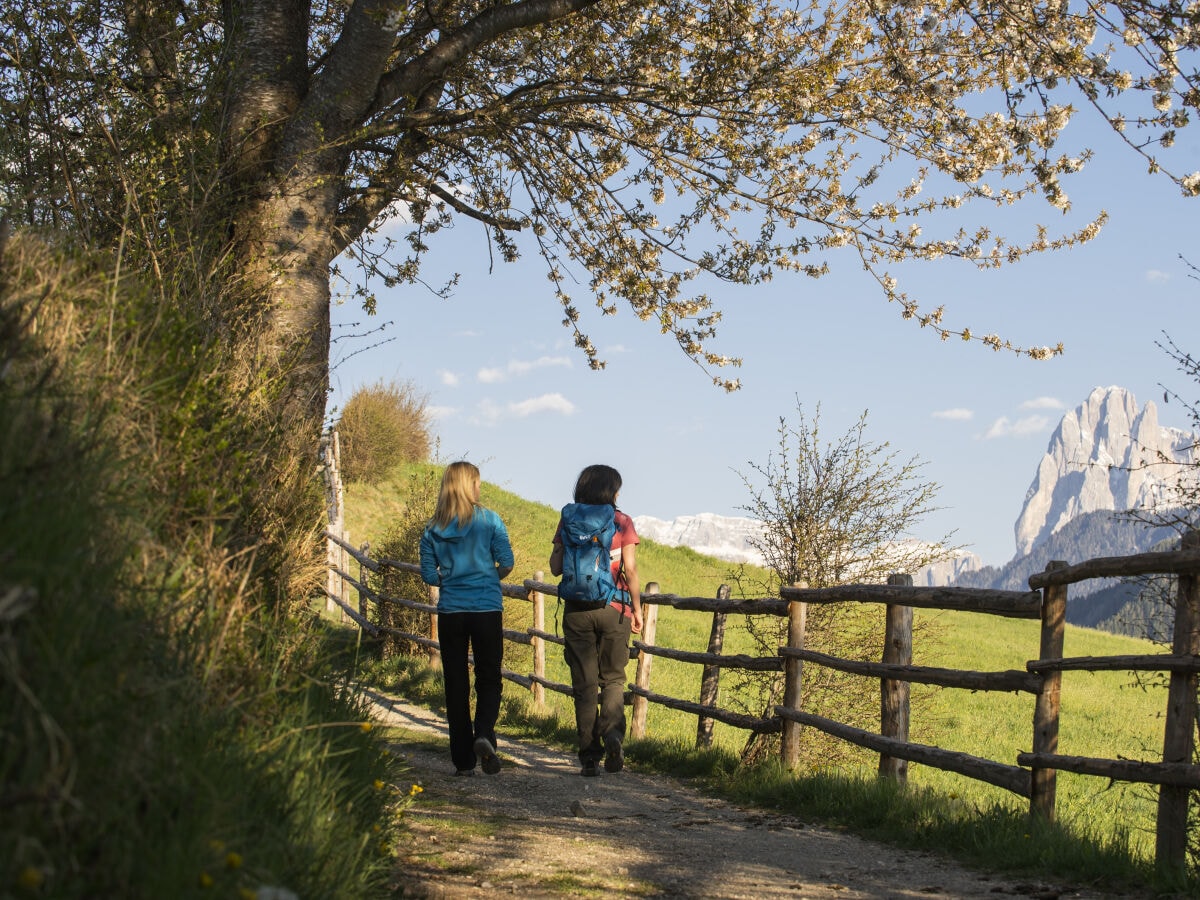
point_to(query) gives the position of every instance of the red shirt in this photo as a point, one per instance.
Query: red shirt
(626, 534)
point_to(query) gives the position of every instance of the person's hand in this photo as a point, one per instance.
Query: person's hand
(636, 626)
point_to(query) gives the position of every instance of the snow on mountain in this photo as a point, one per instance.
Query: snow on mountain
(1095, 461)
(1104, 455)
(723, 537)
(729, 538)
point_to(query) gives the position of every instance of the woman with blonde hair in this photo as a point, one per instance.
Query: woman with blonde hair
(465, 551)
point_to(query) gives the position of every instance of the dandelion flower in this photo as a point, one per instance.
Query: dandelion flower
(31, 878)
(366, 726)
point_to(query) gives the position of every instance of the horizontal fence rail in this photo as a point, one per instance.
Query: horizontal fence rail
(1033, 775)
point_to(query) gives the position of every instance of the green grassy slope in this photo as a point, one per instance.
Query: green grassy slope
(1104, 714)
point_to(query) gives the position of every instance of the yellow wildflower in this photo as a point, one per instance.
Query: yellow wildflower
(31, 878)
(366, 726)
(206, 880)
(378, 785)
(233, 860)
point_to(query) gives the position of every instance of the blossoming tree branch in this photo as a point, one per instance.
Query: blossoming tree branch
(645, 150)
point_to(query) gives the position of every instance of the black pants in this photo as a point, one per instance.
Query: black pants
(597, 652)
(484, 633)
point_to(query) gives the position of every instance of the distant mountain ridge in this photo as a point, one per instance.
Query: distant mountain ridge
(1104, 455)
(724, 537)
(1091, 471)
(730, 538)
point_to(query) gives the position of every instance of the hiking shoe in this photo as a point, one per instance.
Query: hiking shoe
(590, 769)
(468, 772)
(488, 759)
(614, 755)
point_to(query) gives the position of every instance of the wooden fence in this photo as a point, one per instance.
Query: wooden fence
(1033, 776)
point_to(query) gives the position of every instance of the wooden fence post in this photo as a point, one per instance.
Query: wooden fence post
(1170, 849)
(710, 677)
(343, 584)
(641, 678)
(365, 550)
(335, 505)
(1044, 783)
(539, 644)
(793, 670)
(334, 584)
(435, 656)
(894, 693)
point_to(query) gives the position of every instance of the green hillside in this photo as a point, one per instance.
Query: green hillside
(372, 511)
(1104, 714)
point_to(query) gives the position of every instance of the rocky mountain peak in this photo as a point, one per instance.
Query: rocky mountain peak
(1097, 460)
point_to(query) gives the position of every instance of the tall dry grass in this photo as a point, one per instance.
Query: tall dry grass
(169, 723)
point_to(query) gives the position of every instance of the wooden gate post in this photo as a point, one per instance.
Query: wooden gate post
(793, 669)
(1170, 850)
(710, 678)
(641, 678)
(894, 693)
(539, 644)
(1044, 782)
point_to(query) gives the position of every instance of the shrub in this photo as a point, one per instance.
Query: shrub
(381, 427)
(402, 542)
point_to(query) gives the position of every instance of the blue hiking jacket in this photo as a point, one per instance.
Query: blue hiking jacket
(461, 560)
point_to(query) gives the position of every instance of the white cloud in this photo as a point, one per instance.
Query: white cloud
(448, 378)
(1029, 425)
(1043, 403)
(953, 415)
(489, 412)
(555, 403)
(1157, 275)
(519, 367)
(441, 413)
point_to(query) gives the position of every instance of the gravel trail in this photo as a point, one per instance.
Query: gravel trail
(540, 830)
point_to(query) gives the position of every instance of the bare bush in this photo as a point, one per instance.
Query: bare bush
(382, 427)
(833, 514)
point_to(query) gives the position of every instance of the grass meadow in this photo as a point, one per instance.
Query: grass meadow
(1111, 715)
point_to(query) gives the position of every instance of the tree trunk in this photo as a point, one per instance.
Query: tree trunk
(287, 254)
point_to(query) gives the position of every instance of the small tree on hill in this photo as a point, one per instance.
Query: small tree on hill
(381, 427)
(833, 514)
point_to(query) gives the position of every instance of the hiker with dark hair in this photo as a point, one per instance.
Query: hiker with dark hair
(595, 554)
(465, 551)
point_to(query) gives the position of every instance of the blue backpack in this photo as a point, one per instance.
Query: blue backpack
(587, 535)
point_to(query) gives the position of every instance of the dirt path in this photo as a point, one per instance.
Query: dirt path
(539, 829)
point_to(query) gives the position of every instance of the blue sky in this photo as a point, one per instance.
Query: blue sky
(510, 392)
